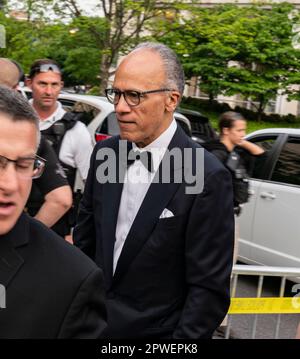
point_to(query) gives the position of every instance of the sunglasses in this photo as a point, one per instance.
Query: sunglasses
(44, 68)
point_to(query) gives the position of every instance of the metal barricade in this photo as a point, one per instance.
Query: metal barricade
(259, 304)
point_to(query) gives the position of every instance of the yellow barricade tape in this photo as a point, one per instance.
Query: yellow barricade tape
(277, 305)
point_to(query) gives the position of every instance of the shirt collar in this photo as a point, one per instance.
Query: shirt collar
(55, 116)
(159, 146)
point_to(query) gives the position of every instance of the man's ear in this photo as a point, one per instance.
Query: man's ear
(172, 101)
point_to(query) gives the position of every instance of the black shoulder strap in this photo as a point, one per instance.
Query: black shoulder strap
(232, 161)
(55, 133)
(70, 119)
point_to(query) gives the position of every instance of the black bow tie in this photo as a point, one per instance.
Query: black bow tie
(144, 156)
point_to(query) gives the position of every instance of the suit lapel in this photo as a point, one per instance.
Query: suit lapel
(111, 197)
(156, 199)
(10, 260)
(110, 208)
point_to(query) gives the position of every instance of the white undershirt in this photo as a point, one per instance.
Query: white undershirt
(136, 184)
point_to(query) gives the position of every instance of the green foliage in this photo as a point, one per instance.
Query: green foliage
(237, 50)
(75, 46)
(95, 91)
(24, 41)
(78, 49)
(234, 50)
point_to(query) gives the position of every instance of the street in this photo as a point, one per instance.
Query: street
(241, 325)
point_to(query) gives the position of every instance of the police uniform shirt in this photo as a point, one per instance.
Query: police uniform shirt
(76, 147)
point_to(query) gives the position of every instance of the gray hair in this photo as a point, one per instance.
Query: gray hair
(173, 68)
(17, 108)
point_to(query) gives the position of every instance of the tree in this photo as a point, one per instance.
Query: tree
(2, 4)
(79, 49)
(198, 38)
(75, 46)
(267, 61)
(22, 42)
(125, 21)
(120, 27)
(237, 50)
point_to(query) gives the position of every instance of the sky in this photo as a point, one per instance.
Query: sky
(89, 7)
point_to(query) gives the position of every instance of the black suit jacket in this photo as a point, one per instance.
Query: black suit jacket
(52, 289)
(172, 277)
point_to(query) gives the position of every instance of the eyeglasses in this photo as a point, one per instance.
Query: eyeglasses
(27, 167)
(44, 68)
(132, 98)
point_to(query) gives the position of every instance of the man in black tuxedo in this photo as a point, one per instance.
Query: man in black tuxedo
(48, 288)
(164, 241)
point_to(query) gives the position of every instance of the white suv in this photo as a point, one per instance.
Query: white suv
(270, 221)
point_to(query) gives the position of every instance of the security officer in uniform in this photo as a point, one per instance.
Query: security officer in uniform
(69, 136)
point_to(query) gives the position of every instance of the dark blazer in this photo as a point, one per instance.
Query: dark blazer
(52, 289)
(172, 277)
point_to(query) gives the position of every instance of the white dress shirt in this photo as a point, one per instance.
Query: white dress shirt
(76, 147)
(136, 184)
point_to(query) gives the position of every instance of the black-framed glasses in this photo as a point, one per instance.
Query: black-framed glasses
(132, 97)
(44, 68)
(26, 167)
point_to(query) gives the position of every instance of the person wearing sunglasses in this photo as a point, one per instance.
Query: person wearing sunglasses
(49, 289)
(69, 137)
(51, 196)
(166, 252)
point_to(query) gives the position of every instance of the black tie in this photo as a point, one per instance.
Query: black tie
(144, 156)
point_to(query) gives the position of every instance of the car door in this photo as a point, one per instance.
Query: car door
(261, 169)
(276, 225)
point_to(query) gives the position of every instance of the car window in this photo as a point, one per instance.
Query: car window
(259, 165)
(113, 126)
(67, 104)
(203, 130)
(264, 142)
(183, 125)
(89, 112)
(287, 168)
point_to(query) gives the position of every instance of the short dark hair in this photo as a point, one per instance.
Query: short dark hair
(227, 119)
(34, 69)
(17, 107)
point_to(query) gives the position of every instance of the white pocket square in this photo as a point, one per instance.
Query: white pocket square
(166, 213)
